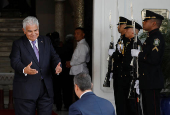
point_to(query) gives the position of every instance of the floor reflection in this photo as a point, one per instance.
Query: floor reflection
(62, 112)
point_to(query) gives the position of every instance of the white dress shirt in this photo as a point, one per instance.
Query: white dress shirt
(36, 43)
(85, 93)
(79, 58)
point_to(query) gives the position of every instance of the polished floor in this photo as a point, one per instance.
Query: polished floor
(62, 112)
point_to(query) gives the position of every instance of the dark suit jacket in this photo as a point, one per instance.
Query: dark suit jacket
(28, 87)
(90, 104)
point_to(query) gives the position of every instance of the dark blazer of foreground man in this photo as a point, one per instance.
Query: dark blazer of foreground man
(32, 85)
(89, 103)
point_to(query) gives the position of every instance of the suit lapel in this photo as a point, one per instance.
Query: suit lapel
(30, 49)
(41, 50)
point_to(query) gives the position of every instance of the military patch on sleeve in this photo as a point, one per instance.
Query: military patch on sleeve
(156, 43)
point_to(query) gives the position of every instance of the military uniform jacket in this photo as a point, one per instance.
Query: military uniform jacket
(124, 77)
(117, 65)
(117, 56)
(127, 58)
(150, 58)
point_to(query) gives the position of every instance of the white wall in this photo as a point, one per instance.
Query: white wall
(101, 40)
(102, 33)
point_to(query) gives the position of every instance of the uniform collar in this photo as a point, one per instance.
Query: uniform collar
(131, 39)
(122, 36)
(153, 31)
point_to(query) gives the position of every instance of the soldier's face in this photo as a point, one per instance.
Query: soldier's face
(147, 25)
(121, 29)
(32, 32)
(79, 35)
(129, 33)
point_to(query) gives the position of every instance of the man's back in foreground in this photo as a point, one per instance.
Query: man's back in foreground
(89, 103)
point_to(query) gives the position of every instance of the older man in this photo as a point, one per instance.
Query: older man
(32, 56)
(89, 103)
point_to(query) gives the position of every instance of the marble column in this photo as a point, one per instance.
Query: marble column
(78, 11)
(59, 18)
(78, 6)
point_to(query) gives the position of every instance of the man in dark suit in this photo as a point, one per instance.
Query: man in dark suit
(150, 58)
(89, 103)
(32, 56)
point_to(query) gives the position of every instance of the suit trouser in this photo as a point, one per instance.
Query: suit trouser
(151, 102)
(43, 104)
(124, 106)
(68, 90)
(57, 86)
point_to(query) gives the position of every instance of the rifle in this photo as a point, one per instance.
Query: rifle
(110, 59)
(134, 73)
(134, 64)
(110, 68)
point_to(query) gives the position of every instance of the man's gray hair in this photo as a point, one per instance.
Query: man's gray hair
(30, 20)
(83, 80)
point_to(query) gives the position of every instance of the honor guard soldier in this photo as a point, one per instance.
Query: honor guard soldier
(129, 45)
(150, 58)
(119, 52)
(116, 54)
(130, 67)
(120, 81)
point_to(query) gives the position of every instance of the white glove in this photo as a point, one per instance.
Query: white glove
(131, 63)
(111, 51)
(111, 76)
(137, 87)
(134, 52)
